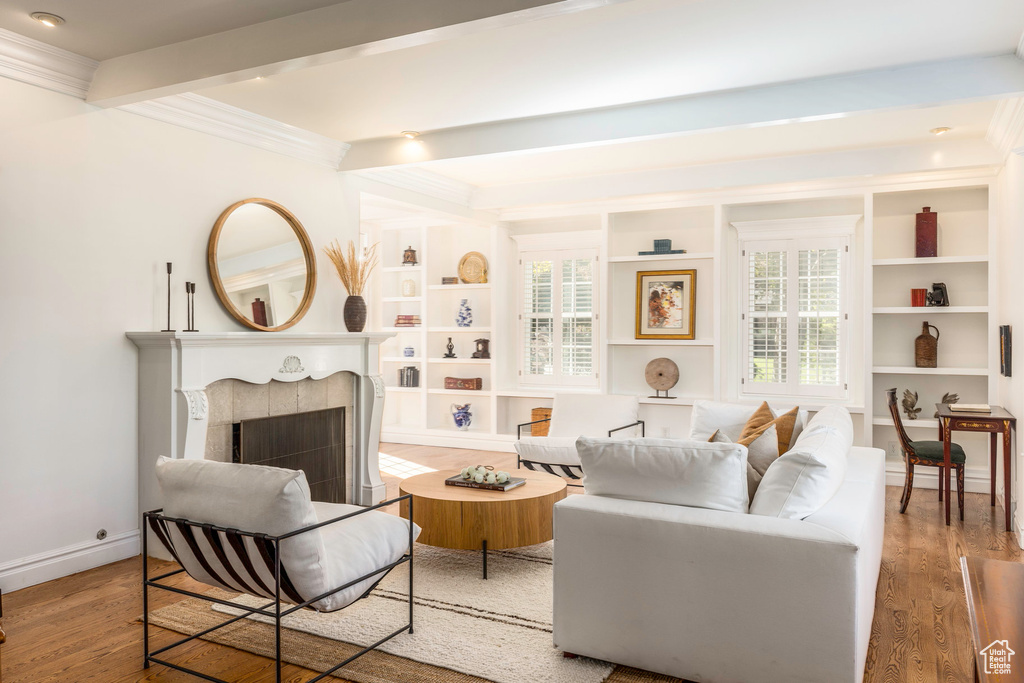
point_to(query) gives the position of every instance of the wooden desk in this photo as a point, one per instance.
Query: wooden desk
(993, 589)
(999, 421)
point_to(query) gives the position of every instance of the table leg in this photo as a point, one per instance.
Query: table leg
(947, 464)
(484, 547)
(1007, 455)
(992, 465)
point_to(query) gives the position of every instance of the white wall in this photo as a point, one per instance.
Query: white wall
(92, 204)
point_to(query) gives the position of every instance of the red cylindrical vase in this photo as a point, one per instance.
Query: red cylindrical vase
(918, 297)
(927, 233)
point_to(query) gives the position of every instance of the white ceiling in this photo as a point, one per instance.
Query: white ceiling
(635, 51)
(878, 129)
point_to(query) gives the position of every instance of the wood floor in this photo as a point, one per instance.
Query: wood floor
(85, 627)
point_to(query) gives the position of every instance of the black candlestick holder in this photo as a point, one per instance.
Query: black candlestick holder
(190, 306)
(168, 298)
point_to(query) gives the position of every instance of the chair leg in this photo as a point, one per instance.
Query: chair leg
(960, 490)
(908, 487)
(941, 480)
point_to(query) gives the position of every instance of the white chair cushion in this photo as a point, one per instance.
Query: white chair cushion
(710, 416)
(806, 477)
(357, 546)
(574, 415)
(552, 450)
(692, 473)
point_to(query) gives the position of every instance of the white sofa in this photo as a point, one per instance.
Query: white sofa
(709, 595)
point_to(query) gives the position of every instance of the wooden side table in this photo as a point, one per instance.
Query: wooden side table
(993, 589)
(999, 421)
(468, 519)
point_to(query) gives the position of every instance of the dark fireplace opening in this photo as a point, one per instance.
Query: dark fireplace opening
(313, 442)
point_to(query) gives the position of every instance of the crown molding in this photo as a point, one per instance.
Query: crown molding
(1007, 126)
(424, 182)
(30, 61)
(206, 115)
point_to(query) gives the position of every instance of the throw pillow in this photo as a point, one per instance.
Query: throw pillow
(762, 419)
(762, 451)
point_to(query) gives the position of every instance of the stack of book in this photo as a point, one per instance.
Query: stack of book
(409, 376)
(407, 321)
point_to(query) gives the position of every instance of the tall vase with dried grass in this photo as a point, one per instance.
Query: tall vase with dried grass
(353, 271)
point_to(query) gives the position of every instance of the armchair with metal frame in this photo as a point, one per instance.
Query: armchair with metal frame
(230, 549)
(573, 416)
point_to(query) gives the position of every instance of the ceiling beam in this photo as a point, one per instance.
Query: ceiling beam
(920, 85)
(322, 36)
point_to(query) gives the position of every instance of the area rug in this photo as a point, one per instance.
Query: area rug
(466, 629)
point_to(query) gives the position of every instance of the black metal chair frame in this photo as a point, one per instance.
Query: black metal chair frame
(565, 466)
(272, 609)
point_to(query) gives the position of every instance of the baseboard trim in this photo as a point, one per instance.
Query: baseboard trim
(975, 478)
(34, 569)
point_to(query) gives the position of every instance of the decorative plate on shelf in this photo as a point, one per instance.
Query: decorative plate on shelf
(473, 268)
(661, 374)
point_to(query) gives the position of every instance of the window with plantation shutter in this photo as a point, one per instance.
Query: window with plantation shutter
(793, 317)
(558, 322)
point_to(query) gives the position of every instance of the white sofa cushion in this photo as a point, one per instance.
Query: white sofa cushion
(710, 416)
(553, 450)
(806, 477)
(692, 473)
(574, 415)
(761, 453)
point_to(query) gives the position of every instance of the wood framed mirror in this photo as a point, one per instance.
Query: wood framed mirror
(262, 264)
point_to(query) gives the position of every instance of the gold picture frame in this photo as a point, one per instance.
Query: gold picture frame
(666, 302)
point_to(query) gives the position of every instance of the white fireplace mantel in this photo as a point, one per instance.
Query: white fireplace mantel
(176, 367)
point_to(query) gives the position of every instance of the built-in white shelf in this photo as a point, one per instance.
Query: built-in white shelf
(404, 390)
(459, 392)
(402, 359)
(402, 329)
(485, 285)
(920, 423)
(937, 260)
(904, 370)
(929, 310)
(401, 269)
(661, 342)
(400, 299)
(675, 401)
(461, 361)
(458, 329)
(662, 257)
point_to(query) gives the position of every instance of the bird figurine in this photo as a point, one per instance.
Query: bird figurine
(949, 399)
(909, 401)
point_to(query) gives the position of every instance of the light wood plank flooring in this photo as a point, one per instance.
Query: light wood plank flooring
(85, 627)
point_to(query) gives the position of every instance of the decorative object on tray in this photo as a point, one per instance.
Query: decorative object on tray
(450, 280)
(661, 375)
(406, 320)
(169, 268)
(540, 428)
(484, 477)
(409, 352)
(483, 348)
(918, 297)
(259, 312)
(926, 347)
(927, 233)
(409, 376)
(938, 296)
(665, 304)
(462, 416)
(409, 257)
(354, 272)
(949, 399)
(1005, 351)
(190, 306)
(464, 318)
(971, 408)
(910, 404)
(473, 268)
(451, 349)
(464, 383)
(661, 247)
(408, 287)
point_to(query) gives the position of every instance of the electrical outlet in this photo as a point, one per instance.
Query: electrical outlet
(893, 450)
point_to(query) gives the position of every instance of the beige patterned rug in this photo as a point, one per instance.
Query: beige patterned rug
(467, 630)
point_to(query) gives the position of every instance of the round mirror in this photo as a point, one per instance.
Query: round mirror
(262, 264)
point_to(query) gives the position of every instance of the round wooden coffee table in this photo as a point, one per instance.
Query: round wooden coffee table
(469, 519)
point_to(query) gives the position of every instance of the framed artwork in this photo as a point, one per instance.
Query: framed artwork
(665, 304)
(1005, 351)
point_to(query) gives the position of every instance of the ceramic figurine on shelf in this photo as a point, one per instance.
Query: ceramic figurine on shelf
(910, 404)
(462, 416)
(451, 349)
(408, 288)
(409, 352)
(409, 257)
(948, 398)
(464, 318)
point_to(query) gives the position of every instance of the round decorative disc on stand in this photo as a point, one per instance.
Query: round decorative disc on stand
(661, 374)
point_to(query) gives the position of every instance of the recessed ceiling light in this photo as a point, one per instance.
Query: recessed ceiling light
(47, 19)
(411, 134)
(941, 130)
(258, 78)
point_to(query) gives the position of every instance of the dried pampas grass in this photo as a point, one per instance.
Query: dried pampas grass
(352, 271)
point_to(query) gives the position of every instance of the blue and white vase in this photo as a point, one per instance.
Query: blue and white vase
(462, 416)
(464, 318)
(409, 352)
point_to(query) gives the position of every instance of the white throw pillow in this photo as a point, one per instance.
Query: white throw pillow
(711, 416)
(761, 453)
(806, 477)
(691, 473)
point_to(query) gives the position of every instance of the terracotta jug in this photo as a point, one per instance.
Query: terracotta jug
(926, 347)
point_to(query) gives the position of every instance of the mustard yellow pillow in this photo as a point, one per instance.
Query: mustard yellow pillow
(762, 419)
